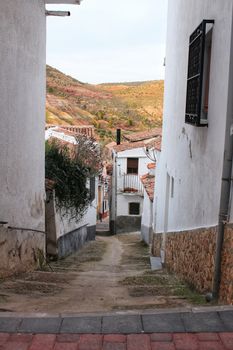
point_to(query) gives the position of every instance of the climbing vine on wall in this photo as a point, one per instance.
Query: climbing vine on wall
(69, 176)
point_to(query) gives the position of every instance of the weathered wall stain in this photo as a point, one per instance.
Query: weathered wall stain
(18, 250)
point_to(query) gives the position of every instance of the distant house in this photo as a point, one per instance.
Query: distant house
(64, 234)
(193, 192)
(130, 160)
(104, 185)
(22, 104)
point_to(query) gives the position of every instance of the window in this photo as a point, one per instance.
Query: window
(199, 74)
(132, 165)
(92, 188)
(134, 208)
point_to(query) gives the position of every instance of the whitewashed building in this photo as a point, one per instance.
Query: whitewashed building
(193, 192)
(64, 234)
(22, 104)
(130, 160)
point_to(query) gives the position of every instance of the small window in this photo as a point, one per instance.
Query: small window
(132, 165)
(199, 74)
(134, 208)
(92, 188)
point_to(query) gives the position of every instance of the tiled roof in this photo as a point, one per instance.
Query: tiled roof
(158, 143)
(74, 130)
(124, 146)
(66, 132)
(148, 182)
(151, 166)
(111, 145)
(144, 135)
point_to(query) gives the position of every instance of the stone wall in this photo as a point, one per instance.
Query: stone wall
(156, 244)
(128, 223)
(226, 287)
(20, 250)
(191, 255)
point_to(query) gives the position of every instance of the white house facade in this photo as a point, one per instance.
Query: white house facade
(193, 177)
(129, 163)
(22, 103)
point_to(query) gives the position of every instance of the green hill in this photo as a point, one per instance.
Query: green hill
(130, 106)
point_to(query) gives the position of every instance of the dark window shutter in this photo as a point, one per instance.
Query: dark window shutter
(132, 165)
(195, 74)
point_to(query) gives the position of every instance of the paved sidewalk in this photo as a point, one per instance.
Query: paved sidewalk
(182, 321)
(155, 341)
(195, 329)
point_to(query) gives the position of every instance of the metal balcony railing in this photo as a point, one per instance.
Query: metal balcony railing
(130, 183)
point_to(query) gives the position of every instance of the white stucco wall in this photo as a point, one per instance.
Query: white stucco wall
(22, 105)
(123, 201)
(143, 161)
(147, 211)
(193, 156)
(147, 215)
(52, 132)
(66, 225)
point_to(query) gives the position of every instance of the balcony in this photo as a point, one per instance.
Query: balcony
(130, 184)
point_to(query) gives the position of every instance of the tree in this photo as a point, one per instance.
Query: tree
(69, 166)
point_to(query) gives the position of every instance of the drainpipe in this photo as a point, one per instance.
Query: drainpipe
(226, 185)
(116, 174)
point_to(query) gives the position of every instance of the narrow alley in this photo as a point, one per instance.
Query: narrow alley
(110, 274)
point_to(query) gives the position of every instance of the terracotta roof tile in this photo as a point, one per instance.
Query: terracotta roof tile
(144, 135)
(66, 132)
(151, 166)
(158, 143)
(148, 182)
(111, 145)
(127, 146)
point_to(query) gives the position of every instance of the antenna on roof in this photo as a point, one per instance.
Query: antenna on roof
(57, 13)
(118, 136)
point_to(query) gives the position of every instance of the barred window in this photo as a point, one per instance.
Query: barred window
(199, 74)
(134, 208)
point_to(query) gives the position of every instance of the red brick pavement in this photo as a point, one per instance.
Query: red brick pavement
(156, 341)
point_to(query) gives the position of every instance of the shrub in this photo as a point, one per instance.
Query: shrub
(70, 177)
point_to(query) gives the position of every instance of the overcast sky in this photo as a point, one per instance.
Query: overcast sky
(109, 40)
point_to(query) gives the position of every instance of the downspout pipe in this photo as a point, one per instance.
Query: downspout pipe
(226, 184)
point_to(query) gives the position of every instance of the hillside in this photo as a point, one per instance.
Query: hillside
(129, 106)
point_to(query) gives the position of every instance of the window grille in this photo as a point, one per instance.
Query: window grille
(134, 208)
(195, 80)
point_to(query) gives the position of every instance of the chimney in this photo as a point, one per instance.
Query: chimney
(118, 136)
